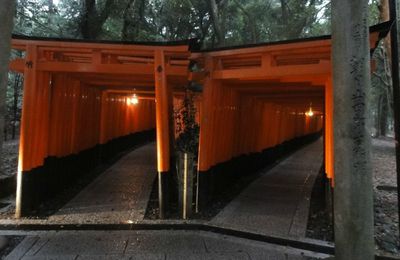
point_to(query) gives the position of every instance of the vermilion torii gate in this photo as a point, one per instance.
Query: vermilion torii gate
(254, 103)
(76, 108)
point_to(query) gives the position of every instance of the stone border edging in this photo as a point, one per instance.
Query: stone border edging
(299, 244)
(313, 245)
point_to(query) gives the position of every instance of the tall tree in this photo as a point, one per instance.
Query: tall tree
(6, 24)
(14, 99)
(127, 22)
(382, 91)
(353, 201)
(293, 19)
(252, 26)
(217, 23)
(93, 17)
(383, 7)
(382, 79)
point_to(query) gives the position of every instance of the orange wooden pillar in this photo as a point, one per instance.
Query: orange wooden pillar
(162, 128)
(205, 159)
(103, 118)
(30, 75)
(329, 156)
(34, 131)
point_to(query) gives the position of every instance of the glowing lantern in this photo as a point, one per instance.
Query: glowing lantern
(134, 100)
(310, 113)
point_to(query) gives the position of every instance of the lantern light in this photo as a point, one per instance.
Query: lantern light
(134, 100)
(310, 113)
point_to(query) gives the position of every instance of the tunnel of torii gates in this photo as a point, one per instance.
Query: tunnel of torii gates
(78, 107)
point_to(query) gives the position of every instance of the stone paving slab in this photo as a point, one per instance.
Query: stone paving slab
(278, 202)
(118, 195)
(150, 245)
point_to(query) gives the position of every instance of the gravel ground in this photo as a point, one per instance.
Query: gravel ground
(9, 158)
(320, 225)
(385, 201)
(385, 195)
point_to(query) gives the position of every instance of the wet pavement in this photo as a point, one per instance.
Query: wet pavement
(119, 195)
(150, 245)
(277, 203)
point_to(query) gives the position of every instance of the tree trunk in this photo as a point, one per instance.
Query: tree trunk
(284, 12)
(141, 18)
(17, 83)
(127, 20)
(383, 118)
(383, 17)
(394, 36)
(6, 24)
(92, 20)
(378, 116)
(51, 12)
(219, 34)
(133, 19)
(353, 201)
(386, 56)
(252, 25)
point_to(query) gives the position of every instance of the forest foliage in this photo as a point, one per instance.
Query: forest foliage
(215, 23)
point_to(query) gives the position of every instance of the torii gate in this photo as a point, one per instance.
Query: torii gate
(254, 100)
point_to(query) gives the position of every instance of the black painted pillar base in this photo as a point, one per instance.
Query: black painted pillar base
(163, 192)
(329, 198)
(26, 197)
(205, 189)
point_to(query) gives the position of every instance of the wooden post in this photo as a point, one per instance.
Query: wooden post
(103, 118)
(329, 159)
(34, 131)
(353, 201)
(396, 90)
(162, 128)
(328, 147)
(203, 182)
(30, 77)
(187, 185)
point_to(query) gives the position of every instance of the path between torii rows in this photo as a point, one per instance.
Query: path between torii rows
(118, 195)
(277, 203)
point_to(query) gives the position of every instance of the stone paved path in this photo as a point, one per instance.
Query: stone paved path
(149, 244)
(277, 203)
(118, 195)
